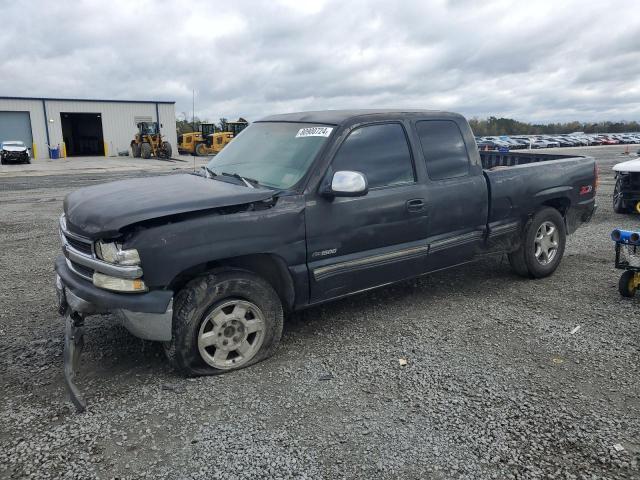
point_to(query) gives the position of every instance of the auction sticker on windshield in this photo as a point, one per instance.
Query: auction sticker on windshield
(314, 132)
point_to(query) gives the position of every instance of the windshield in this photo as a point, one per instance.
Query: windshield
(277, 155)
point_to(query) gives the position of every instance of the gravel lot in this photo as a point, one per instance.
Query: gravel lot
(495, 385)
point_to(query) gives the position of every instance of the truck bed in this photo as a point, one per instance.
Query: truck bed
(518, 180)
(494, 159)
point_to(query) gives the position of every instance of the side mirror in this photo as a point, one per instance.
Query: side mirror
(347, 183)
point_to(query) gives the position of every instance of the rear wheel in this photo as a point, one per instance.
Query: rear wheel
(618, 203)
(626, 284)
(145, 150)
(542, 245)
(222, 322)
(166, 148)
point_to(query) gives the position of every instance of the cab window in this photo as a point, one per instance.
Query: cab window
(379, 151)
(444, 149)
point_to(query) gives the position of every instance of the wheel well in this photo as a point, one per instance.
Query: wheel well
(271, 268)
(561, 204)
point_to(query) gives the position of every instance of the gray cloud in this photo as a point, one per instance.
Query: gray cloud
(543, 61)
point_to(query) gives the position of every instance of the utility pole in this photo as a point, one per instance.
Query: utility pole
(193, 123)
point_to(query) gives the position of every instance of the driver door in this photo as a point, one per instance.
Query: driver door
(356, 243)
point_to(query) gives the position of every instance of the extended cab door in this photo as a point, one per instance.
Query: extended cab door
(457, 196)
(355, 243)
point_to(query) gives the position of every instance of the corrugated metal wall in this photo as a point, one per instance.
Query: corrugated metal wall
(118, 120)
(34, 107)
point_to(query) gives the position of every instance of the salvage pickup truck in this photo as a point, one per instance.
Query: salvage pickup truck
(301, 209)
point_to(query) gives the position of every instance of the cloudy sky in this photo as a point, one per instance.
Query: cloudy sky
(531, 60)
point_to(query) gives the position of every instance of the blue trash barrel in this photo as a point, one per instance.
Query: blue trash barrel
(54, 153)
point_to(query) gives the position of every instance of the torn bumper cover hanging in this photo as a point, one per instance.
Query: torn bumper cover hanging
(74, 316)
(73, 345)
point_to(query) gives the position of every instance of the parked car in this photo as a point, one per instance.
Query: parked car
(302, 209)
(492, 143)
(14, 151)
(562, 142)
(626, 192)
(608, 140)
(513, 144)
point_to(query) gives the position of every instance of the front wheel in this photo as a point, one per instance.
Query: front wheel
(222, 322)
(201, 150)
(618, 203)
(542, 245)
(135, 150)
(166, 148)
(145, 150)
(627, 285)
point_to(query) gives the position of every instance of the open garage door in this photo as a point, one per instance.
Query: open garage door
(16, 126)
(82, 134)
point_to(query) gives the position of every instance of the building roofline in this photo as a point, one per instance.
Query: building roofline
(51, 99)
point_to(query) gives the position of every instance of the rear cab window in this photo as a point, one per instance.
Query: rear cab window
(443, 147)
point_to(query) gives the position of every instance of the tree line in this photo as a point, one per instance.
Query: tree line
(488, 126)
(185, 126)
(508, 126)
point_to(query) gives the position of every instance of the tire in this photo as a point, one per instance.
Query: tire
(529, 260)
(135, 150)
(2, 162)
(618, 204)
(201, 150)
(166, 149)
(625, 284)
(145, 150)
(222, 296)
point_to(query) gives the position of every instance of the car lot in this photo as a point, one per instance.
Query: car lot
(495, 384)
(518, 142)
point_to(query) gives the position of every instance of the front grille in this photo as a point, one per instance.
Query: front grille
(81, 270)
(81, 246)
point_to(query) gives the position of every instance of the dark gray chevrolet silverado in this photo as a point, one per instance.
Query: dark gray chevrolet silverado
(301, 209)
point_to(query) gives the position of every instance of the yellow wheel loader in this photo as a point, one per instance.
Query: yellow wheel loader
(148, 142)
(210, 140)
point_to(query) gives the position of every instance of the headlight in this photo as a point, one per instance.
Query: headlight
(113, 253)
(118, 284)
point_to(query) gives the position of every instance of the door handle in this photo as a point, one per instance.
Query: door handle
(415, 205)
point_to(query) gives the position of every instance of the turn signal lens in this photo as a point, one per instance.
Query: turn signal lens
(118, 284)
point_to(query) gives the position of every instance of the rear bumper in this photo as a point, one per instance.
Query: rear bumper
(630, 197)
(145, 315)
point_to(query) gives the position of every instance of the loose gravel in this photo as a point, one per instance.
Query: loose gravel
(495, 384)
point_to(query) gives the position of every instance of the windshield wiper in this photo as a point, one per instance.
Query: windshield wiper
(208, 173)
(249, 182)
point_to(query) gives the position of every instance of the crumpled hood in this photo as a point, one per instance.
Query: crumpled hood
(100, 211)
(14, 148)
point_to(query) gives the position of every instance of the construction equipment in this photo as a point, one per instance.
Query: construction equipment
(210, 140)
(148, 142)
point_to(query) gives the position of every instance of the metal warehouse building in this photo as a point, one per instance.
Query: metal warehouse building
(81, 127)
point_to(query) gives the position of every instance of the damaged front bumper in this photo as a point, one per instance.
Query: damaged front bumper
(145, 315)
